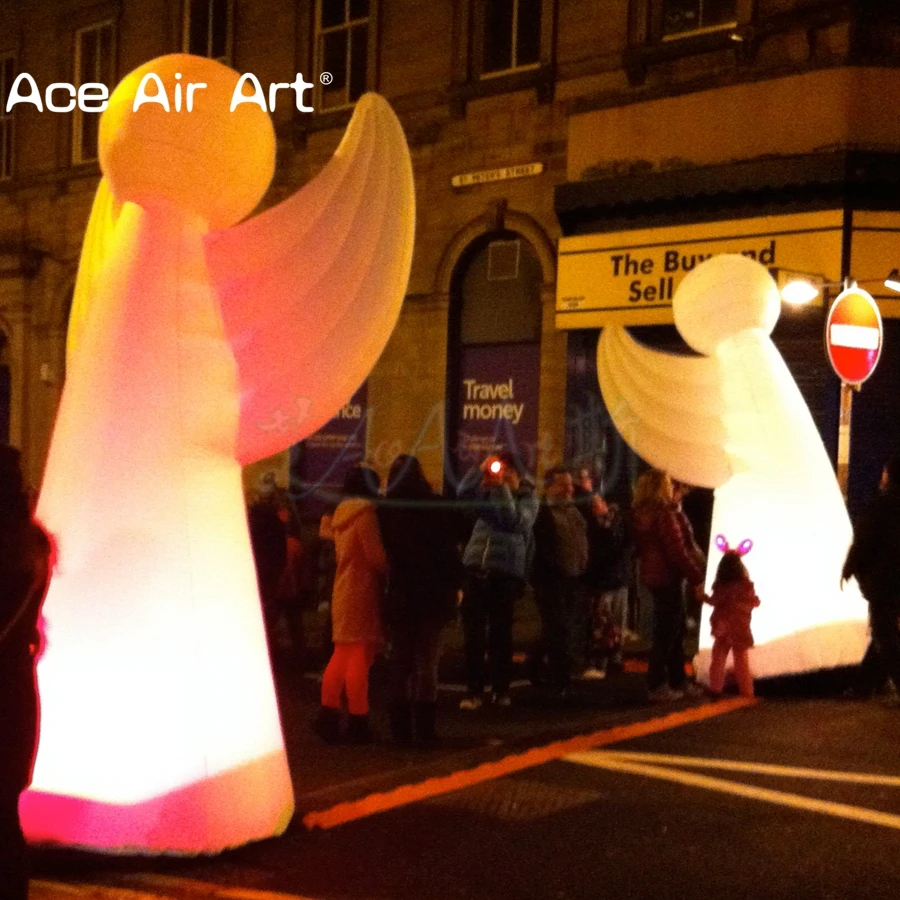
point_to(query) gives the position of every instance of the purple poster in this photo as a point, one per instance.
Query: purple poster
(321, 462)
(497, 403)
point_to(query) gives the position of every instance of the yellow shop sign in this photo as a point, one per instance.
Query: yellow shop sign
(629, 278)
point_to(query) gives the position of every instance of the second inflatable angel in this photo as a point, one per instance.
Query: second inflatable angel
(733, 419)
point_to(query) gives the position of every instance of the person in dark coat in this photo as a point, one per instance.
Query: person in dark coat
(425, 575)
(25, 554)
(608, 576)
(560, 561)
(874, 559)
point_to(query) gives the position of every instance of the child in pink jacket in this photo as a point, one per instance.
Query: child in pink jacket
(733, 600)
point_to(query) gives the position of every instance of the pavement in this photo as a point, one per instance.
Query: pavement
(597, 795)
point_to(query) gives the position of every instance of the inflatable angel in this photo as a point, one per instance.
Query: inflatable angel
(195, 346)
(733, 419)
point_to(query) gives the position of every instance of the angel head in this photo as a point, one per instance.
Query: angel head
(183, 146)
(731, 566)
(727, 294)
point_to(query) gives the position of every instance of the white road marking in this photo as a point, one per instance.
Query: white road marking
(614, 762)
(729, 765)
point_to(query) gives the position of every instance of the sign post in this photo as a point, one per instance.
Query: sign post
(853, 338)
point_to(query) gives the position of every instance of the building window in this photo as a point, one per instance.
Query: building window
(500, 291)
(95, 53)
(343, 34)
(7, 74)
(208, 28)
(511, 36)
(689, 16)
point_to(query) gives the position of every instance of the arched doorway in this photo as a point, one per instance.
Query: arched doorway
(494, 348)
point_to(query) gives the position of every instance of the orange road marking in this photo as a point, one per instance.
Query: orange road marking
(163, 887)
(433, 787)
(210, 890)
(57, 890)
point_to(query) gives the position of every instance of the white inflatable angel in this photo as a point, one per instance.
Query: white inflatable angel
(733, 419)
(195, 346)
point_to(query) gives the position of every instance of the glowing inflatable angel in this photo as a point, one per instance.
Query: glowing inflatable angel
(195, 346)
(734, 420)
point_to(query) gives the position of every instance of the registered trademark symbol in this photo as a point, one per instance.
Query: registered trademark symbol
(326, 78)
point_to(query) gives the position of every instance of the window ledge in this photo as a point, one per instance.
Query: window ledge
(540, 78)
(694, 32)
(743, 39)
(639, 59)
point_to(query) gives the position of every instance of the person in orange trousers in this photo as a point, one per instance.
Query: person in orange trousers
(356, 601)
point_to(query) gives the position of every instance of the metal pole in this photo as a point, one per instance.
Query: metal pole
(843, 454)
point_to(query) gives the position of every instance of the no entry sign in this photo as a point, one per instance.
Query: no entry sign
(853, 335)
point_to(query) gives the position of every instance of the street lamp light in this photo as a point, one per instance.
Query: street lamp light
(800, 288)
(797, 288)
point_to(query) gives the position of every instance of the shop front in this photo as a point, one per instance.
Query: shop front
(826, 218)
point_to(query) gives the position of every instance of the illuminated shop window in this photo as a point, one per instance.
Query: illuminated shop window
(7, 74)
(207, 28)
(687, 16)
(343, 33)
(95, 50)
(511, 35)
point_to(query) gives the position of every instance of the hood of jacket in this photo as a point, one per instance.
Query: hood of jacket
(348, 511)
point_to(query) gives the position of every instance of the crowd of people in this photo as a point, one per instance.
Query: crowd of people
(408, 562)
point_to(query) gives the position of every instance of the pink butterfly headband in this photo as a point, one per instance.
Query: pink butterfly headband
(742, 549)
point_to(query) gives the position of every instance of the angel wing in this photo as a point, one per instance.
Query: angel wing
(668, 408)
(311, 289)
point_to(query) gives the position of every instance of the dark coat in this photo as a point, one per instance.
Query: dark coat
(551, 555)
(268, 538)
(874, 556)
(24, 575)
(424, 567)
(609, 546)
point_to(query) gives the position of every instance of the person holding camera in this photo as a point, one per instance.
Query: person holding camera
(495, 560)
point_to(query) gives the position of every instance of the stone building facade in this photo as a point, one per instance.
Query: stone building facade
(524, 118)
